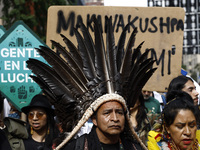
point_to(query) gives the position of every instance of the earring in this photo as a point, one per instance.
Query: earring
(165, 134)
(31, 130)
(48, 131)
(168, 136)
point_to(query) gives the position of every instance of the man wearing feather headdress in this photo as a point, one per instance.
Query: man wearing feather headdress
(107, 132)
(97, 80)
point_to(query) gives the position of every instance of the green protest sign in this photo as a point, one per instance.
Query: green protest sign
(2, 31)
(18, 45)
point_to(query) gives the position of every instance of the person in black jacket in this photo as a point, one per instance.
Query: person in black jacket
(4, 144)
(108, 132)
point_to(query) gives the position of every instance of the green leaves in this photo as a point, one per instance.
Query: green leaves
(19, 2)
(32, 12)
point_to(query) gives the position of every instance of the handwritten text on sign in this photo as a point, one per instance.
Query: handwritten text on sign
(160, 28)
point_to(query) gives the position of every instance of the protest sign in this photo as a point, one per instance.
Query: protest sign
(160, 28)
(18, 45)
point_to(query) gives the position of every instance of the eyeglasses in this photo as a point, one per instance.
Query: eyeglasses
(39, 115)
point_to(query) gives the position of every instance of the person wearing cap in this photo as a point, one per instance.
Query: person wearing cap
(41, 124)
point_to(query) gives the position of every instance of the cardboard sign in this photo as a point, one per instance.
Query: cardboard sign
(160, 28)
(17, 45)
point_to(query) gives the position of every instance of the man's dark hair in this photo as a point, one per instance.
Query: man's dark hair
(177, 84)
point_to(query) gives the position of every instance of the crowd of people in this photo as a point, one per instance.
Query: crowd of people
(174, 127)
(107, 93)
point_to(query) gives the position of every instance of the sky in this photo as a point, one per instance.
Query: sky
(136, 3)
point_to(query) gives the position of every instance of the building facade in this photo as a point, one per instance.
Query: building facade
(191, 39)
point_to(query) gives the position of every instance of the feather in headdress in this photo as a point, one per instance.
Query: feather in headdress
(79, 80)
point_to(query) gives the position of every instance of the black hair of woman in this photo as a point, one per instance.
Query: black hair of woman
(177, 84)
(178, 100)
(53, 131)
(142, 113)
(41, 101)
(180, 124)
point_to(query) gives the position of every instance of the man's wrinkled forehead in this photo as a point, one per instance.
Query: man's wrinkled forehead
(112, 104)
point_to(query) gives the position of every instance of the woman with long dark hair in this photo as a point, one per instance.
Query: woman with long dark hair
(183, 83)
(139, 119)
(179, 122)
(41, 125)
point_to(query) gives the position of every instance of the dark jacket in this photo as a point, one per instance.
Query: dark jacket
(4, 144)
(31, 144)
(15, 132)
(94, 143)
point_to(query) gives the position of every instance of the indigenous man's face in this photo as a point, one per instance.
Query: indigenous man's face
(183, 130)
(110, 119)
(190, 88)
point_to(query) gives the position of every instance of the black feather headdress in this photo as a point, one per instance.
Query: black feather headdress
(80, 79)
